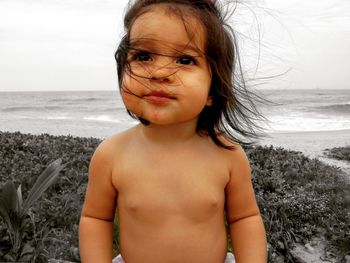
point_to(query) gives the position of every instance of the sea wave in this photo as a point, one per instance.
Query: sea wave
(335, 108)
(29, 108)
(72, 100)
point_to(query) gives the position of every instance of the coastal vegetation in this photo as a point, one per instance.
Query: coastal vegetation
(339, 153)
(299, 198)
(17, 214)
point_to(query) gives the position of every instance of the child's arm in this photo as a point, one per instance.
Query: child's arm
(243, 216)
(96, 222)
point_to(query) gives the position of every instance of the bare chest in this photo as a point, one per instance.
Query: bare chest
(183, 185)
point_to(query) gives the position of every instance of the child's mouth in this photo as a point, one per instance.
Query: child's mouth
(158, 97)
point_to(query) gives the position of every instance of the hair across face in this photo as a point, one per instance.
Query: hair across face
(227, 115)
(167, 77)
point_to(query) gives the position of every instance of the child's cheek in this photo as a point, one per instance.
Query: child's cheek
(131, 86)
(132, 104)
(130, 96)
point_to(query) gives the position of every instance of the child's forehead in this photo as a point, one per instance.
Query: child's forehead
(160, 25)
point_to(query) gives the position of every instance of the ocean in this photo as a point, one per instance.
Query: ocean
(101, 113)
(307, 110)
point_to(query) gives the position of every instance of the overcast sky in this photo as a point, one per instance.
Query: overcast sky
(69, 45)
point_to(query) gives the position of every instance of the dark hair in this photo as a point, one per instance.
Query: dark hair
(233, 113)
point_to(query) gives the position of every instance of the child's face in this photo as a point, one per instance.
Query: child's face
(169, 78)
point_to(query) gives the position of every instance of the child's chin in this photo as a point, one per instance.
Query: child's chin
(159, 122)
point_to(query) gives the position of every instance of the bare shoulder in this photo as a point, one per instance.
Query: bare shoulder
(240, 167)
(236, 154)
(238, 160)
(106, 158)
(115, 144)
(239, 156)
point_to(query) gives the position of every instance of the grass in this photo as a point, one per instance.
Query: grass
(298, 197)
(339, 153)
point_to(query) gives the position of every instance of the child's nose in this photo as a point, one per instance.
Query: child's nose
(163, 74)
(164, 70)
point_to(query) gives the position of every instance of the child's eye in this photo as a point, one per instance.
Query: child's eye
(142, 56)
(186, 60)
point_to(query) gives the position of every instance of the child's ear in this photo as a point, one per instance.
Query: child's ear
(209, 101)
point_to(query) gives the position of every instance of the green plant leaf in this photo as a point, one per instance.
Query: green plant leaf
(5, 213)
(9, 197)
(5, 204)
(10, 208)
(19, 197)
(45, 180)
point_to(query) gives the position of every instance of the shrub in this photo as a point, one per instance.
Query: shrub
(339, 153)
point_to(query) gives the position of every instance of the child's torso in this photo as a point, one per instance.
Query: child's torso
(171, 203)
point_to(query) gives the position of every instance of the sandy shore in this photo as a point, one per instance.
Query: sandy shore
(312, 144)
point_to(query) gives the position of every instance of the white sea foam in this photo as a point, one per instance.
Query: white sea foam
(59, 118)
(304, 123)
(101, 118)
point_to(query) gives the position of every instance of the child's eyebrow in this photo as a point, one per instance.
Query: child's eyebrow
(193, 49)
(159, 48)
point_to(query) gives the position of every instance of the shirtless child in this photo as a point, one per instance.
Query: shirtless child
(174, 177)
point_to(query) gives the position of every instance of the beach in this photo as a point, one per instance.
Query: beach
(312, 144)
(304, 121)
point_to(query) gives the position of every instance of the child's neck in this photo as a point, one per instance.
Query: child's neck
(169, 134)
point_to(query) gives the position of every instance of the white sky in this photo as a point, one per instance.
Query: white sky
(69, 45)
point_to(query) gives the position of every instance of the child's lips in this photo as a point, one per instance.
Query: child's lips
(159, 97)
